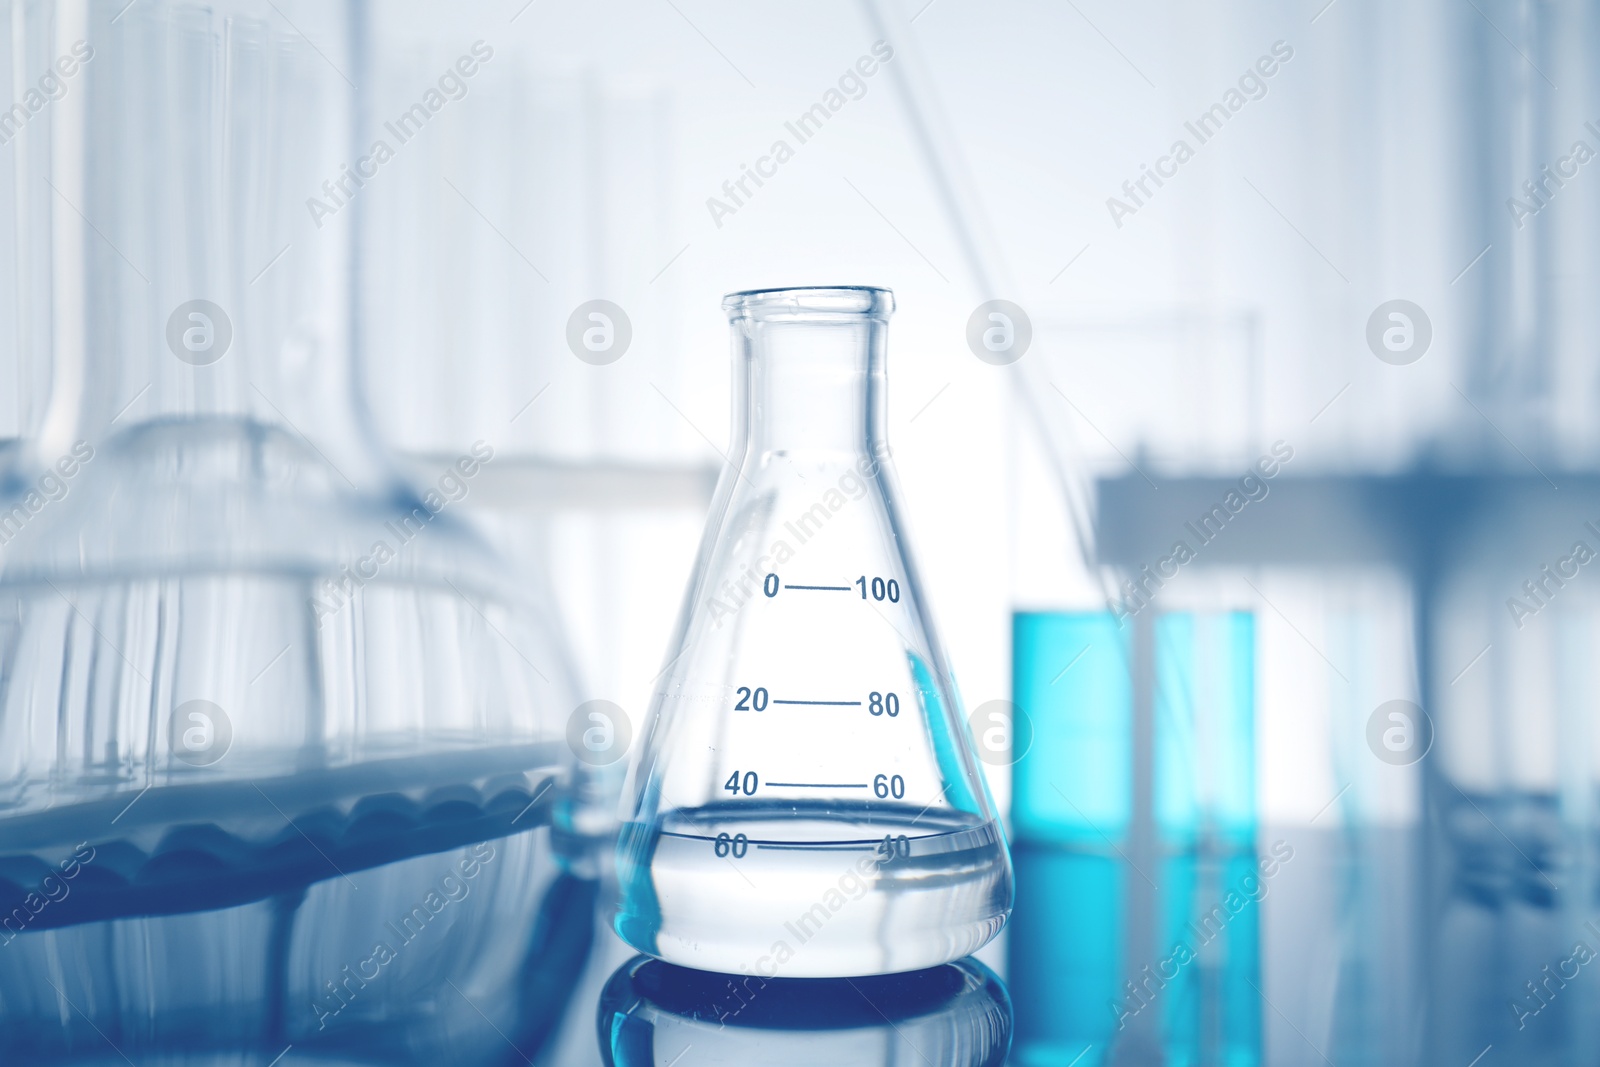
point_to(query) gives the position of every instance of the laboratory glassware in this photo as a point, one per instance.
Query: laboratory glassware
(958, 1015)
(806, 801)
(278, 741)
(1077, 819)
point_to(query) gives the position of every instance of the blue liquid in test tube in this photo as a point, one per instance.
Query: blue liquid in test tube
(1071, 811)
(1072, 816)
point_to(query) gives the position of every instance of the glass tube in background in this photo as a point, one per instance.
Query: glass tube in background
(536, 190)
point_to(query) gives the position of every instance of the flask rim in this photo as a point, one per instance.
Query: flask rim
(811, 301)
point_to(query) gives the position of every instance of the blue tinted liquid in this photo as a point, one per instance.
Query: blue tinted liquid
(304, 916)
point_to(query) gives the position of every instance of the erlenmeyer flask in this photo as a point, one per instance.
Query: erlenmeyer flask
(806, 802)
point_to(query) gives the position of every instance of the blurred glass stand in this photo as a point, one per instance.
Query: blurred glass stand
(1498, 886)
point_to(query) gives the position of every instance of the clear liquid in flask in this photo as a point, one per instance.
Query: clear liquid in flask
(807, 803)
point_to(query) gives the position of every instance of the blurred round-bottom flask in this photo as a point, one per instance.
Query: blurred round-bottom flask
(279, 742)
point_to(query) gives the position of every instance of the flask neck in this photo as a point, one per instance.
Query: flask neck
(811, 385)
(205, 292)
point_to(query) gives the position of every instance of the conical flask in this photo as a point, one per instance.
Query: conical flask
(806, 801)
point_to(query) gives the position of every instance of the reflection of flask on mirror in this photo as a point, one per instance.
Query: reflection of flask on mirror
(807, 800)
(955, 1015)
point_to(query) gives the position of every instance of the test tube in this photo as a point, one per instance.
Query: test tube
(1160, 943)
